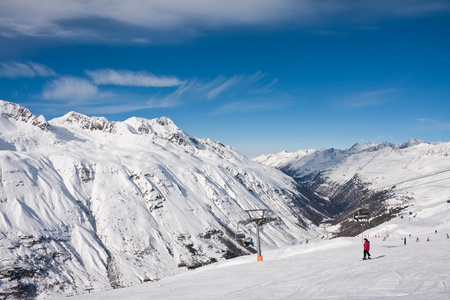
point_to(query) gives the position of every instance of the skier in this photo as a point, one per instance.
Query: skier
(366, 249)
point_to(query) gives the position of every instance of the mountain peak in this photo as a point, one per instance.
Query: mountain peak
(19, 113)
(85, 122)
(165, 121)
(162, 127)
(411, 142)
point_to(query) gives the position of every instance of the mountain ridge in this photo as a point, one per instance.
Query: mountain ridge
(372, 176)
(89, 202)
(325, 158)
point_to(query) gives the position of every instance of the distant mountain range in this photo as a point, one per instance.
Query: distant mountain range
(88, 203)
(377, 177)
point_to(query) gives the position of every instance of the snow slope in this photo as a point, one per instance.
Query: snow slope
(333, 269)
(330, 269)
(89, 202)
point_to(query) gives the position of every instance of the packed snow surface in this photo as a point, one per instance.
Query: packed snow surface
(330, 269)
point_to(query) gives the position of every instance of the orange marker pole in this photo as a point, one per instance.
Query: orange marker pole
(258, 245)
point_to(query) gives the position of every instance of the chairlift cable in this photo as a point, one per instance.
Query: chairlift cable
(399, 189)
(413, 179)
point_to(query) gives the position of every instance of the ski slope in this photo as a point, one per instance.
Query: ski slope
(334, 269)
(326, 269)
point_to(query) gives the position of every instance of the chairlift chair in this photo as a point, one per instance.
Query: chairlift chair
(244, 237)
(241, 234)
(361, 214)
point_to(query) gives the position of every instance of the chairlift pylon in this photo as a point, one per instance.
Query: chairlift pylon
(259, 220)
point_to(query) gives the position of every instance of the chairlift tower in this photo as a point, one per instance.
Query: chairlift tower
(258, 217)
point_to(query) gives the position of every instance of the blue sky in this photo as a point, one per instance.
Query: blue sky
(259, 75)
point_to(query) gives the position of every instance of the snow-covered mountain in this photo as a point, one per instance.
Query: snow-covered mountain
(305, 162)
(85, 202)
(409, 252)
(374, 176)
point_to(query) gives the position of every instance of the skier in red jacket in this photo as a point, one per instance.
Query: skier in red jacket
(366, 249)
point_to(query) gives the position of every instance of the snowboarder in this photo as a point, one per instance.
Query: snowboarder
(404, 240)
(366, 249)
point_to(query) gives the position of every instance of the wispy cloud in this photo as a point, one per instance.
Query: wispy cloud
(236, 86)
(264, 89)
(250, 105)
(253, 92)
(370, 98)
(27, 69)
(423, 120)
(69, 18)
(223, 86)
(33, 19)
(433, 124)
(70, 88)
(130, 78)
